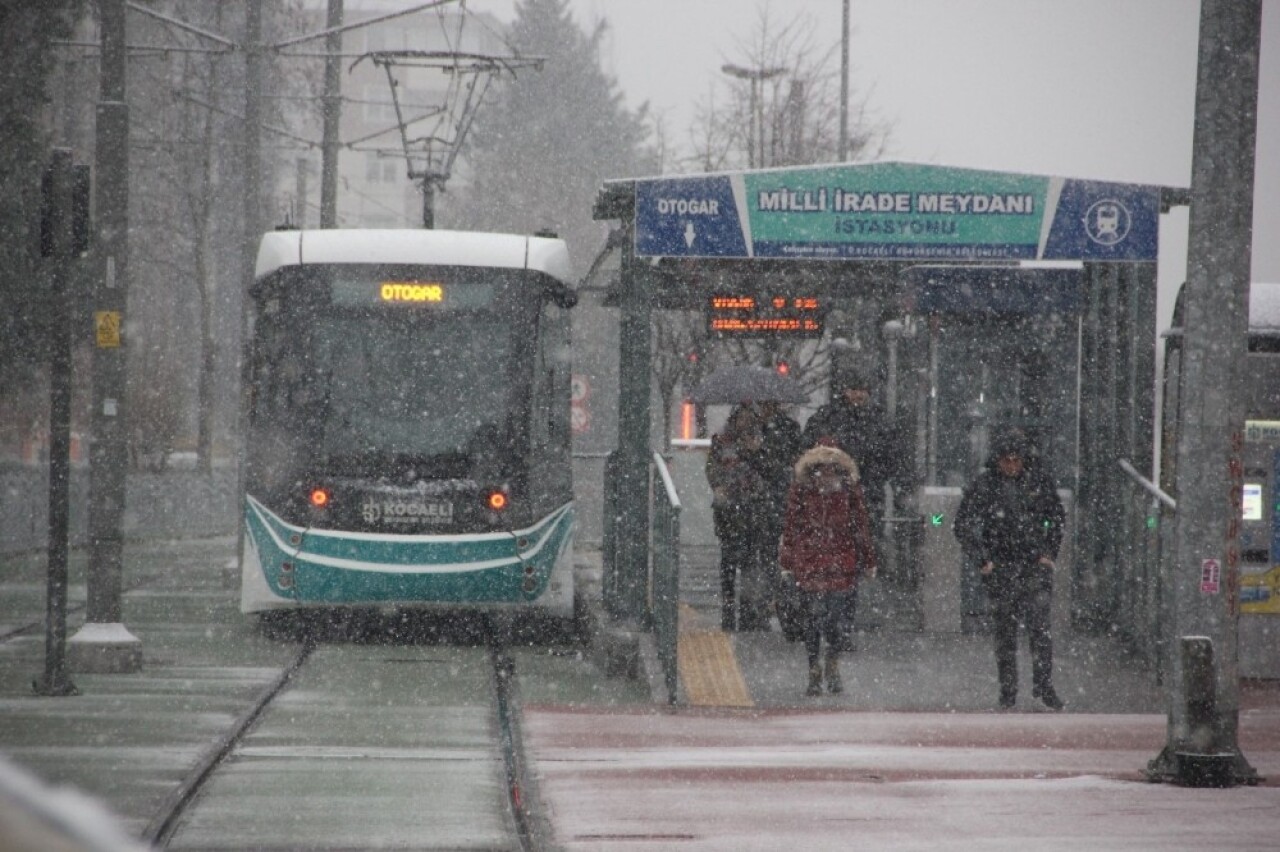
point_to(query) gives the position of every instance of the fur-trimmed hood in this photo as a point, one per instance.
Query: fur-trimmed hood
(821, 455)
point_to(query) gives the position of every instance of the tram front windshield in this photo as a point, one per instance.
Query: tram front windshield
(378, 370)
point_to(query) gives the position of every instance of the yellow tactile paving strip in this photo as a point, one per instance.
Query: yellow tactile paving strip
(708, 667)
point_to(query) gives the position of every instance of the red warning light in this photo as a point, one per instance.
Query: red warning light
(783, 368)
(319, 497)
(497, 500)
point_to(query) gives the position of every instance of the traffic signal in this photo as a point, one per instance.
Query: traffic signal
(783, 368)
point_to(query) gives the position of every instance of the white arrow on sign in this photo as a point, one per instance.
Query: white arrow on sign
(688, 234)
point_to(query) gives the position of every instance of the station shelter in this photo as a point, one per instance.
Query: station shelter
(977, 298)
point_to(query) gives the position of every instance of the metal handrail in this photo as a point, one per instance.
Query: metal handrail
(664, 603)
(667, 482)
(1149, 486)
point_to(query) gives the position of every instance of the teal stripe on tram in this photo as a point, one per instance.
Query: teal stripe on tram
(329, 567)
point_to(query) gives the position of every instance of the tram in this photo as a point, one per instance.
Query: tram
(408, 435)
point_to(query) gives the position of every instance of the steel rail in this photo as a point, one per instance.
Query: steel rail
(161, 828)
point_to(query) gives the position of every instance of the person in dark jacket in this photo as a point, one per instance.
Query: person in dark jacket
(855, 423)
(779, 449)
(1011, 518)
(740, 510)
(826, 548)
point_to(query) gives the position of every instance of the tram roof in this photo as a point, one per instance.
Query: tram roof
(279, 249)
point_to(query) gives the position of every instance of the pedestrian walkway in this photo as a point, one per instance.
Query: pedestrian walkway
(814, 779)
(912, 755)
(892, 667)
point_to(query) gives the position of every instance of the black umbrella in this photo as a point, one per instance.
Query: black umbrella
(732, 385)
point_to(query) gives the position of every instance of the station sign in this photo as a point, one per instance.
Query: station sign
(895, 211)
(749, 315)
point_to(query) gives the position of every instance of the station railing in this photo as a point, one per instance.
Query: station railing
(664, 571)
(1142, 607)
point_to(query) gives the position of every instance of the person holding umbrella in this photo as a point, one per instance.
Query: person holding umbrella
(740, 507)
(749, 467)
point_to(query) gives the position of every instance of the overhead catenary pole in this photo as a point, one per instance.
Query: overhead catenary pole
(252, 154)
(103, 644)
(332, 106)
(1204, 710)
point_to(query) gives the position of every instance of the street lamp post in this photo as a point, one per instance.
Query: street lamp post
(755, 76)
(843, 153)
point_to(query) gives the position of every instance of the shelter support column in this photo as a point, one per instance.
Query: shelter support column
(626, 564)
(1117, 379)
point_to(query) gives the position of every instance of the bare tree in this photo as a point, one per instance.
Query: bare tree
(779, 103)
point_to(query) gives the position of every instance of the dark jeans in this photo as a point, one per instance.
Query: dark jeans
(742, 603)
(1027, 599)
(748, 561)
(828, 618)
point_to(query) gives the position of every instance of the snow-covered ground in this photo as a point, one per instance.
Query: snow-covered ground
(898, 781)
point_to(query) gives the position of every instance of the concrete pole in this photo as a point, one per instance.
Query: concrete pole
(1206, 558)
(103, 644)
(332, 106)
(843, 153)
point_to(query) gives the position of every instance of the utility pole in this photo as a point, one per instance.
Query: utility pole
(252, 232)
(332, 117)
(56, 247)
(103, 644)
(1204, 707)
(843, 152)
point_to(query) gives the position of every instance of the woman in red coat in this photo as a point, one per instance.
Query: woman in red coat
(827, 548)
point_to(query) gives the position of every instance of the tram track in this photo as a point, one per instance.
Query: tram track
(167, 819)
(524, 820)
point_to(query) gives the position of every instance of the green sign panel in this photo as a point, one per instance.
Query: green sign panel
(895, 211)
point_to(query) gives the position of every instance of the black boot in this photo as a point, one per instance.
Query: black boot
(832, 673)
(1049, 697)
(815, 680)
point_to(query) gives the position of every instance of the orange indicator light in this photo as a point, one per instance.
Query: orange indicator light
(497, 501)
(319, 497)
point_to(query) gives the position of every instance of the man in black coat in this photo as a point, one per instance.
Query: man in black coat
(853, 422)
(1010, 519)
(779, 450)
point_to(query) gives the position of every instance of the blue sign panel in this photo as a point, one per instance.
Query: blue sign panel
(895, 211)
(688, 217)
(1104, 221)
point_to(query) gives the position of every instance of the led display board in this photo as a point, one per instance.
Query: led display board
(764, 315)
